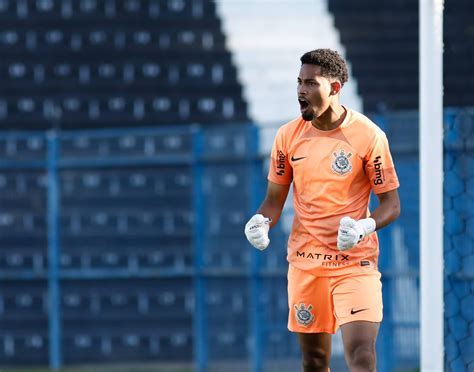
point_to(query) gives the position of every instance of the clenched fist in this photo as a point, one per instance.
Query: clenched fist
(351, 232)
(256, 231)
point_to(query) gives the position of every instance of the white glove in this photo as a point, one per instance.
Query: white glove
(256, 231)
(351, 232)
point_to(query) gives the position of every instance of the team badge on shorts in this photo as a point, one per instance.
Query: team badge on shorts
(342, 164)
(303, 314)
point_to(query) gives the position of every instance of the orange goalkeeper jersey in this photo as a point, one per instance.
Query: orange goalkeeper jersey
(333, 173)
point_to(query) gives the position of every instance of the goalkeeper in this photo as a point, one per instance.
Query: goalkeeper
(335, 157)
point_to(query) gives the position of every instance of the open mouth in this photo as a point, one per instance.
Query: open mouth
(304, 104)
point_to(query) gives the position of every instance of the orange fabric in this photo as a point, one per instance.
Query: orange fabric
(333, 173)
(322, 304)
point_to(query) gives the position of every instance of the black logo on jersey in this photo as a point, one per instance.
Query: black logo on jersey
(328, 260)
(296, 159)
(357, 311)
(281, 163)
(379, 174)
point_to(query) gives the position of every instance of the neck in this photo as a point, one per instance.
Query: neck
(331, 118)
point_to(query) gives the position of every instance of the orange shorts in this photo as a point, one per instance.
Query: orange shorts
(322, 304)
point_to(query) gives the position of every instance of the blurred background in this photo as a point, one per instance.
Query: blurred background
(134, 145)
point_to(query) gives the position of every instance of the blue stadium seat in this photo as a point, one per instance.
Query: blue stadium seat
(222, 180)
(20, 258)
(233, 142)
(99, 99)
(22, 191)
(11, 40)
(131, 299)
(103, 40)
(228, 342)
(137, 345)
(134, 145)
(132, 345)
(23, 303)
(127, 320)
(27, 347)
(225, 223)
(225, 252)
(105, 229)
(16, 224)
(132, 252)
(227, 302)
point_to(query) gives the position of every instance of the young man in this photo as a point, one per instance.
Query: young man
(334, 157)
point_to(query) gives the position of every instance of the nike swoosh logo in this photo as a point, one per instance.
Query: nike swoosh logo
(357, 311)
(296, 159)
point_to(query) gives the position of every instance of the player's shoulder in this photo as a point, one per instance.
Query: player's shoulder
(363, 134)
(293, 124)
(292, 129)
(365, 126)
(362, 121)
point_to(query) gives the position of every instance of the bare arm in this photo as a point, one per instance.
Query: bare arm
(274, 201)
(388, 209)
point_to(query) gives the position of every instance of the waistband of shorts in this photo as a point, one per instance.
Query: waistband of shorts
(350, 270)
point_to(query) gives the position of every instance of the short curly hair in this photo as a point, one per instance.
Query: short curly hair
(331, 62)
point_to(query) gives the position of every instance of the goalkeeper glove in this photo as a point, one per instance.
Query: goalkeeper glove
(351, 232)
(256, 231)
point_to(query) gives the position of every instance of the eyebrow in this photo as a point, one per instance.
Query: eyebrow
(306, 80)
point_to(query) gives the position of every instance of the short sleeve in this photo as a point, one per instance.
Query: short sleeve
(379, 165)
(280, 170)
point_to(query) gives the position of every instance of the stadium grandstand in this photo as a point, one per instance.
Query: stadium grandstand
(134, 146)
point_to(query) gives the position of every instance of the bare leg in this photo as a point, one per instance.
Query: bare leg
(359, 345)
(316, 351)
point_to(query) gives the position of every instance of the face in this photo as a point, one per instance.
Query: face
(315, 92)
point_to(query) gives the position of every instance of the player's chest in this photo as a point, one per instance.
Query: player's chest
(325, 159)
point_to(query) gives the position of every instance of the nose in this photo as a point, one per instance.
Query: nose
(301, 90)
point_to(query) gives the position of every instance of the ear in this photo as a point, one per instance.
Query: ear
(335, 87)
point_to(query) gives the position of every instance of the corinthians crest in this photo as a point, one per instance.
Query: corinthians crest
(342, 165)
(303, 314)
